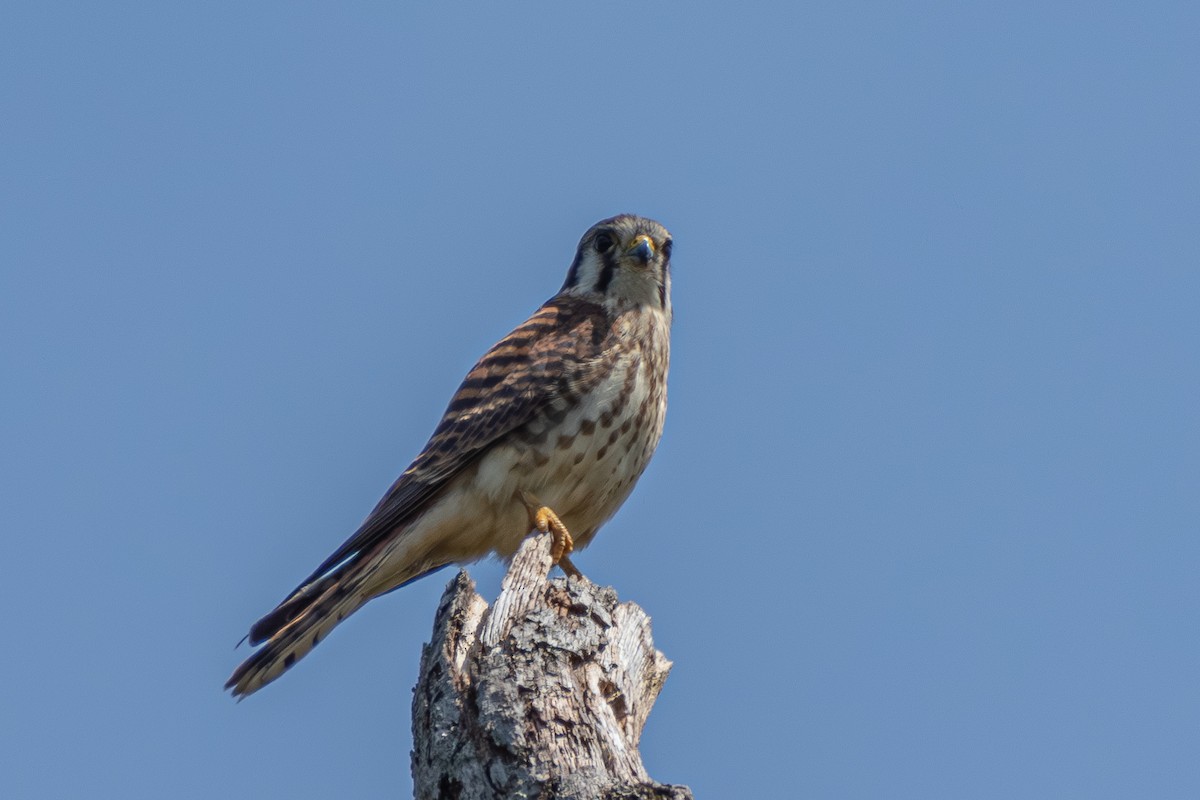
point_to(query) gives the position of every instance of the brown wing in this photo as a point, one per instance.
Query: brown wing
(525, 374)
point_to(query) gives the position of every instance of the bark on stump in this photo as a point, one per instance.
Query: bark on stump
(543, 695)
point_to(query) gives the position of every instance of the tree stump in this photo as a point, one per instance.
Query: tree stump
(544, 695)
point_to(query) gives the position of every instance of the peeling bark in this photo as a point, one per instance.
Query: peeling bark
(543, 695)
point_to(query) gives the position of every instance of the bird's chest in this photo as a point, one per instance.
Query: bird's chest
(584, 459)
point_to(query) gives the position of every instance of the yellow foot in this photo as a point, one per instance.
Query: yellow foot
(561, 544)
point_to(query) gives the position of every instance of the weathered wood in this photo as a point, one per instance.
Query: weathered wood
(544, 695)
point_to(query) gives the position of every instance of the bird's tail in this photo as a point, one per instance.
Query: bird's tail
(308, 614)
(295, 627)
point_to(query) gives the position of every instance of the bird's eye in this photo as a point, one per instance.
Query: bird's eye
(666, 250)
(604, 243)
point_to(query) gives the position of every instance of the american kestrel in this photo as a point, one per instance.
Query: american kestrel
(549, 431)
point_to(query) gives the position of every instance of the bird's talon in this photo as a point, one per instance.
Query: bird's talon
(561, 544)
(546, 521)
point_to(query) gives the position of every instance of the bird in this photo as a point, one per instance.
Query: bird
(548, 432)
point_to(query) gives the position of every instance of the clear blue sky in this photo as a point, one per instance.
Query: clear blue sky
(924, 523)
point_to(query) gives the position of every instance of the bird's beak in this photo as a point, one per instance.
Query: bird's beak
(642, 248)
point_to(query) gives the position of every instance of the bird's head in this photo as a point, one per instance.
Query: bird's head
(623, 262)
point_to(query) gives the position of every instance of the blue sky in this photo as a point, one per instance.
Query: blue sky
(924, 520)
